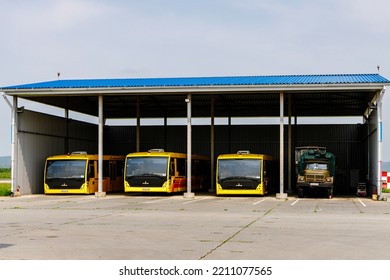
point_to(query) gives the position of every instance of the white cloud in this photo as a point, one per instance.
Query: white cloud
(369, 16)
(42, 17)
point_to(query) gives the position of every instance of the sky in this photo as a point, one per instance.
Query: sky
(84, 39)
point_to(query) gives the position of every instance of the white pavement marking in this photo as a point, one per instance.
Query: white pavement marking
(258, 201)
(361, 202)
(292, 204)
(157, 200)
(195, 200)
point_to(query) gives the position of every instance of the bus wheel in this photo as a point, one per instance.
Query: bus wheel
(300, 192)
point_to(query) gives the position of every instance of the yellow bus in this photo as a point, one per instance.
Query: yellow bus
(244, 173)
(77, 173)
(164, 172)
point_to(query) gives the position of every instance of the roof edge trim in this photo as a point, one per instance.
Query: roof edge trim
(194, 89)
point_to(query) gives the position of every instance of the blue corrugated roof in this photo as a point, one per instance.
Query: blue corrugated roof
(208, 81)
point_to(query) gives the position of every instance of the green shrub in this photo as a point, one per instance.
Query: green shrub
(5, 189)
(5, 173)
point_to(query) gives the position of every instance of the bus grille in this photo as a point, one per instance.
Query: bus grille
(57, 184)
(149, 182)
(239, 185)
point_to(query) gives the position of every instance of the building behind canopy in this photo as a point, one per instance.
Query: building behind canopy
(287, 98)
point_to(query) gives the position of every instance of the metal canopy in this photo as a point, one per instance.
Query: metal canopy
(298, 95)
(311, 95)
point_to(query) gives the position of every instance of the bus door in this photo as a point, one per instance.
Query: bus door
(92, 180)
(179, 181)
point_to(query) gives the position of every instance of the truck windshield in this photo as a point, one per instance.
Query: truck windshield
(316, 166)
(146, 166)
(65, 169)
(230, 168)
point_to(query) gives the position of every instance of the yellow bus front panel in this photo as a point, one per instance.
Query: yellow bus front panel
(164, 188)
(258, 191)
(242, 173)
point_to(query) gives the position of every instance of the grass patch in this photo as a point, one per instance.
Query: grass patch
(386, 190)
(5, 173)
(5, 189)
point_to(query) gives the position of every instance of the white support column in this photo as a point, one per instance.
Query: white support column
(289, 164)
(379, 139)
(230, 134)
(138, 128)
(14, 135)
(281, 193)
(165, 133)
(100, 192)
(368, 152)
(14, 147)
(212, 147)
(66, 146)
(189, 194)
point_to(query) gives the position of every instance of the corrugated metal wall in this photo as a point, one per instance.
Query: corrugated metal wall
(41, 136)
(257, 139)
(373, 156)
(347, 142)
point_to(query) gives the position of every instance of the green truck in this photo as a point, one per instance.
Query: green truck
(315, 170)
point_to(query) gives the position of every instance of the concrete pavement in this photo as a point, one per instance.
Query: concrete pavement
(169, 227)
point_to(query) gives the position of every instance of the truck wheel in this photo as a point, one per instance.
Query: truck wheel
(330, 193)
(300, 192)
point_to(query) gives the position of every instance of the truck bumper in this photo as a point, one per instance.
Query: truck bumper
(304, 187)
(307, 185)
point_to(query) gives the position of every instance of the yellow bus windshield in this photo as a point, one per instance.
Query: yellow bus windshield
(239, 168)
(146, 166)
(65, 169)
(65, 174)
